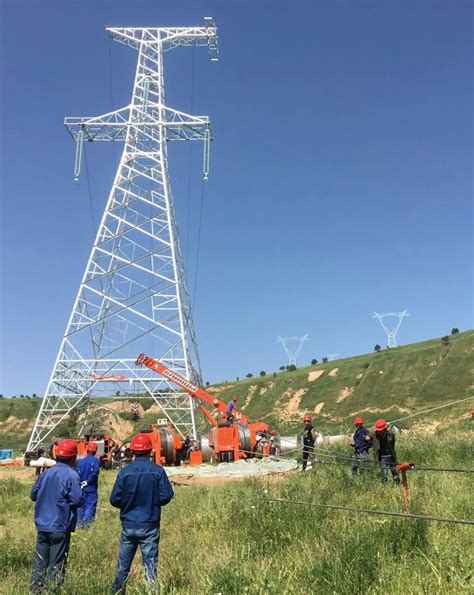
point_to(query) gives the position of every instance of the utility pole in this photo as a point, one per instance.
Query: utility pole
(133, 296)
(292, 347)
(391, 333)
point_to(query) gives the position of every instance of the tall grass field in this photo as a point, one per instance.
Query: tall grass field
(233, 539)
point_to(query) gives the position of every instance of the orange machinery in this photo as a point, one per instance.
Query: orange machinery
(105, 446)
(229, 441)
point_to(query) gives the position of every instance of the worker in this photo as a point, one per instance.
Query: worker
(88, 469)
(273, 447)
(53, 447)
(140, 490)
(383, 442)
(308, 439)
(57, 494)
(216, 412)
(361, 443)
(231, 405)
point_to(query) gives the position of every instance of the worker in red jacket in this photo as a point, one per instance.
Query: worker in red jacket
(57, 494)
(140, 490)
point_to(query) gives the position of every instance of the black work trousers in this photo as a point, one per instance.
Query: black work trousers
(307, 451)
(49, 562)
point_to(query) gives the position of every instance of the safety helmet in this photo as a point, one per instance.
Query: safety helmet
(273, 433)
(234, 398)
(67, 448)
(358, 420)
(141, 442)
(91, 447)
(216, 402)
(306, 418)
(380, 425)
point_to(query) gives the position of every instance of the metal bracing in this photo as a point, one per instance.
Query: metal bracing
(391, 333)
(133, 295)
(292, 347)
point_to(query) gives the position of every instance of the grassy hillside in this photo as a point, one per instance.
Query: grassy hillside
(266, 547)
(392, 383)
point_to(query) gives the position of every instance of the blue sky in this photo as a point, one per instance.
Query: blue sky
(341, 172)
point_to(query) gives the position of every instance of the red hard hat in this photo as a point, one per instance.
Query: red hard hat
(380, 425)
(306, 418)
(273, 433)
(67, 448)
(141, 442)
(91, 447)
(358, 420)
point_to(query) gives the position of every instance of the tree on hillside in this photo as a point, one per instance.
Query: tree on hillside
(237, 378)
(445, 340)
(325, 360)
(454, 331)
(377, 348)
(262, 373)
(207, 383)
(1, 396)
(314, 362)
(291, 368)
(287, 367)
(274, 374)
(282, 367)
(249, 375)
(34, 395)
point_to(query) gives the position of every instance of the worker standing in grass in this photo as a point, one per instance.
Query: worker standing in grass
(383, 441)
(308, 439)
(140, 490)
(88, 469)
(57, 494)
(361, 443)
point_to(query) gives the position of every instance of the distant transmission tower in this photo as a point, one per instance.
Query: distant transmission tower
(133, 296)
(297, 343)
(391, 333)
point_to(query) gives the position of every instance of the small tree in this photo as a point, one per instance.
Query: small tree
(274, 374)
(287, 367)
(445, 340)
(237, 378)
(314, 362)
(249, 375)
(282, 367)
(263, 373)
(325, 360)
(377, 348)
(454, 331)
(34, 395)
(207, 383)
(291, 368)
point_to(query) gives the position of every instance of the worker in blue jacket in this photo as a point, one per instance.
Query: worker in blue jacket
(140, 490)
(88, 469)
(361, 443)
(57, 493)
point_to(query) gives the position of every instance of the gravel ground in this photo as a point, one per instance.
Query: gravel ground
(242, 468)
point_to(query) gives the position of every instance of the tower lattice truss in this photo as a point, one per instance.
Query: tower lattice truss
(133, 296)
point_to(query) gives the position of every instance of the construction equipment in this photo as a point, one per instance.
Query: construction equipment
(105, 447)
(230, 440)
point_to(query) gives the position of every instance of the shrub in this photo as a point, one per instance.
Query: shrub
(377, 348)
(314, 362)
(249, 375)
(445, 340)
(291, 368)
(454, 331)
(262, 373)
(325, 360)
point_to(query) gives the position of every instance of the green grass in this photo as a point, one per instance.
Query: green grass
(231, 539)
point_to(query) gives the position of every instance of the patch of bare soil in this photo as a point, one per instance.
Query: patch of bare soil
(312, 376)
(13, 424)
(250, 394)
(318, 407)
(377, 410)
(154, 409)
(291, 409)
(359, 376)
(333, 372)
(345, 392)
(26, 474)
(218, 389)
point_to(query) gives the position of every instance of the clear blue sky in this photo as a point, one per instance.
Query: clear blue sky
(341, 172)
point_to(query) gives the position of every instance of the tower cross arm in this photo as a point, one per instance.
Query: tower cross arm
(113, 125)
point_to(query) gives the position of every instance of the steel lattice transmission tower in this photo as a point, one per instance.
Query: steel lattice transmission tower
(293, 352)
(391, 333)
(133, 296)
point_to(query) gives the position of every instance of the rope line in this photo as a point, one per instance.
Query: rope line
(198, 251)
(89, 192)
(370, 511)
(433, 409)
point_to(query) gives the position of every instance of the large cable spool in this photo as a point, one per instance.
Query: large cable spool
(167, 446)
(245, 443)
(207, 451)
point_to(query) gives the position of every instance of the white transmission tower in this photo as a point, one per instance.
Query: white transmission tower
(391, 332)
(292, 347)
(133, 296)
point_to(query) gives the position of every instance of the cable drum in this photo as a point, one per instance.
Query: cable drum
(244, 437)
(207, 452)
(167, 446)
(287, 443)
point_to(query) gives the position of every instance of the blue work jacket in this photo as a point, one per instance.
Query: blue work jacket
(88, 469)
(361, 445)
(57, 494)
(140, 490)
